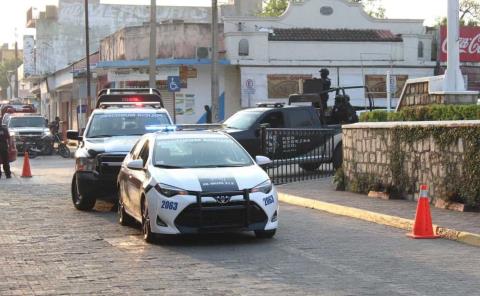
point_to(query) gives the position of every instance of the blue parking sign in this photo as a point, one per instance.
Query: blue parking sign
(173, 83)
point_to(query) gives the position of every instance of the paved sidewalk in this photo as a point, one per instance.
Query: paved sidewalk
(324, 192)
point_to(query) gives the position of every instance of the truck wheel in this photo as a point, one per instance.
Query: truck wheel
(265, 233)
(309, 166)
(337, 156)
(81, 202)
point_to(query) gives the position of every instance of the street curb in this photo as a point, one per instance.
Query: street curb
(468, 238)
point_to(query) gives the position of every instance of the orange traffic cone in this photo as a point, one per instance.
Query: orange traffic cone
(423, 220)
(26, 173)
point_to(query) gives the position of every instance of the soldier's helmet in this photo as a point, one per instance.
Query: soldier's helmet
(324, 72)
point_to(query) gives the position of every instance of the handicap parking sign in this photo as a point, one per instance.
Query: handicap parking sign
(173, 83)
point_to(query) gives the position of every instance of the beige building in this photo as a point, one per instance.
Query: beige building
(7, 54)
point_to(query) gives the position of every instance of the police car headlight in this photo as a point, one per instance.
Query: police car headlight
(169, 191)
(84, 164)
(264, 187)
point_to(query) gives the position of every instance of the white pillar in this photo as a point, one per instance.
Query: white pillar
(389, 92)
(453, 75)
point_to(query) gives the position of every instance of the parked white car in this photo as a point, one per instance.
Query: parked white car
(176, 182)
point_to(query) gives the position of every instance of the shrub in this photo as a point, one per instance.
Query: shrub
(339, 180)
(425, 113)
(374, 116)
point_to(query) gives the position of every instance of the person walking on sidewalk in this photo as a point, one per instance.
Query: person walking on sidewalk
(4, 142)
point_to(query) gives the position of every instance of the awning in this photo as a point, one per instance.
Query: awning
(160, 62)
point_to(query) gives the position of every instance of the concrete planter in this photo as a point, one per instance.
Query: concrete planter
(453, 206)
(379, 195)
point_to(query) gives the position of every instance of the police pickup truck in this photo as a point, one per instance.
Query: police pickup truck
(121, 117)
(246, 125)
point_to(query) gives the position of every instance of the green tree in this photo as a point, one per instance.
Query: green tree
(373, 7)
(470, 12)
(274, 7)
(5, 68)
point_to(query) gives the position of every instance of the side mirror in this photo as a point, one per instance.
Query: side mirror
(73, 135)
(262, 160)
(136, 164)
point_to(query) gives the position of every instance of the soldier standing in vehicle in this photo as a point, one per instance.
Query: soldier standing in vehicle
(326, 84)
(4, 142)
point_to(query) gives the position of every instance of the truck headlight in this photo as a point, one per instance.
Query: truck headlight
(46, 132)
(169, 191)
(264, 187)
(83, 164)
(13, 134)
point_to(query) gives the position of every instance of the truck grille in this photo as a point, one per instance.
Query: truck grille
(26, 134)
(109, 164)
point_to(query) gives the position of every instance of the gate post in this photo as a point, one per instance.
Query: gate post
(263, 139)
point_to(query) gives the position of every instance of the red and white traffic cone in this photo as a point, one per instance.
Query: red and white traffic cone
(423, 227)
(26, 172)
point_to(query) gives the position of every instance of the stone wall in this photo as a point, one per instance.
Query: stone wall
(429, 90)
(417, 93)
(399, 156)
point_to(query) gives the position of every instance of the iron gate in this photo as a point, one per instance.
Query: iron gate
(298, 154)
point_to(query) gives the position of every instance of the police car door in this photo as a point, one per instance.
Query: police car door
(129, 186)
(138, 177)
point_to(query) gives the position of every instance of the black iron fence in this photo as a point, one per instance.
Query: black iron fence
(298, 154)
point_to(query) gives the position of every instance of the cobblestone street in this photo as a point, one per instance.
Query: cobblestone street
(47, 247)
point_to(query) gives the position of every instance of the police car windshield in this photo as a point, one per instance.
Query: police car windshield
(242, 120)
(199, 153)
(27, 122)
(126, 124)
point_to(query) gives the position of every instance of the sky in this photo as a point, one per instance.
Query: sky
(13, 13)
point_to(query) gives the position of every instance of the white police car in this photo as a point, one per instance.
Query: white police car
(176, 182)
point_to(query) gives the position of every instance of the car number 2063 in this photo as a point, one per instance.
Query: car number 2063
(268, 200)
(169, 205)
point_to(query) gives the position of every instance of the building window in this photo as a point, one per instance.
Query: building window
(243, 47)
(420, 49)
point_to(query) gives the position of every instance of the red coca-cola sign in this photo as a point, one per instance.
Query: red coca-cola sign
(469, 44)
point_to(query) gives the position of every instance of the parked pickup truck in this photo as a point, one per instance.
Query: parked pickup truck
(245, 127)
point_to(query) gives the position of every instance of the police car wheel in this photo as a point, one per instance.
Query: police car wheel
(265, 233)
(148, 235)
(123, 218)
(81, 202)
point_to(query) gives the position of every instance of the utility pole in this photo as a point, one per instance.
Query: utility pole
(153, 45)
(87, 51)
(214, 69)
(15, 87)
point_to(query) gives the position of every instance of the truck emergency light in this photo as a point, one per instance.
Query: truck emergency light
(129, 96)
